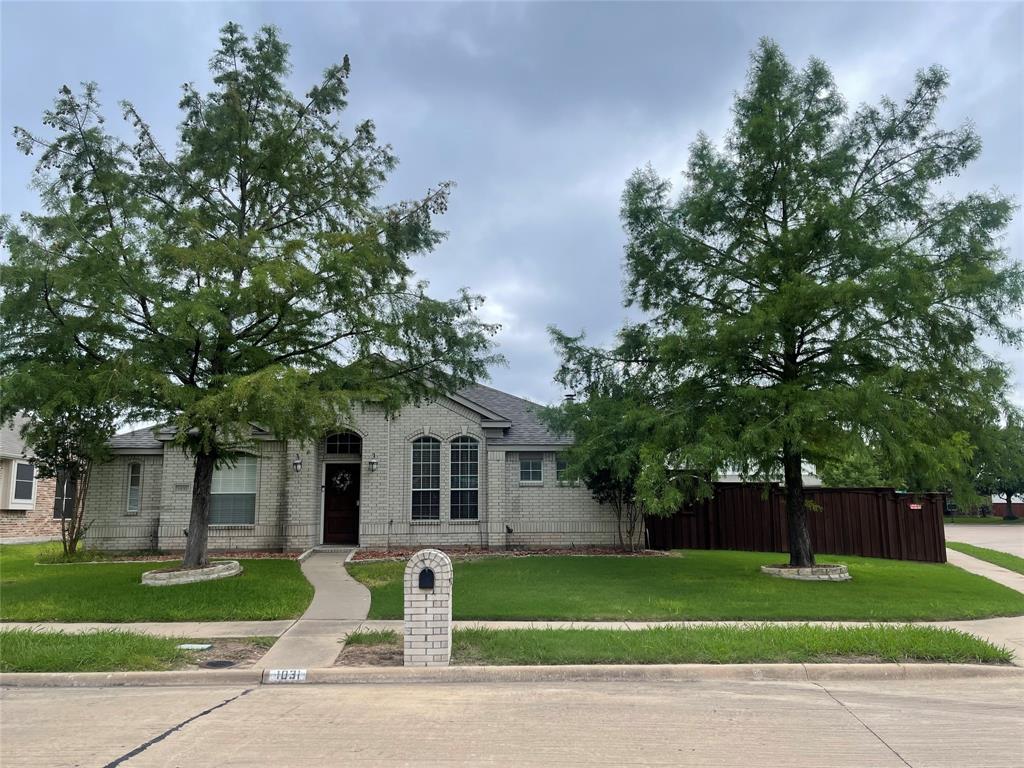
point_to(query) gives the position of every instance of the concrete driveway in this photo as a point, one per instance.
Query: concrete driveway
(959, 722)
(1005, 538)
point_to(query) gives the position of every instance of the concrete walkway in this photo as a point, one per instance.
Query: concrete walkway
(339, 606)
(1001, 536)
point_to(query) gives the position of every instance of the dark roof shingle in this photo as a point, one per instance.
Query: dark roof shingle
(526, 429)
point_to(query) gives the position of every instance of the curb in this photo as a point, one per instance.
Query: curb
(681, 673)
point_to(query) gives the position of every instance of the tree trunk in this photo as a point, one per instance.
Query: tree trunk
(1009, 507)
(196, 555)
(800, 553)
(75, 524)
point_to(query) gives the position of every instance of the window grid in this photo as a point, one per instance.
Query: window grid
(24, 481)
(426, 479)
(531, 469)
(344, 442)
(562, 474)
(233, 499)
(465, 470)
(63, 496)
(134, 488)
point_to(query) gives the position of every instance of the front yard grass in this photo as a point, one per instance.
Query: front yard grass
(1002, 559)
(267, 589)
(710, 645)
(697, 585)
(22, 650)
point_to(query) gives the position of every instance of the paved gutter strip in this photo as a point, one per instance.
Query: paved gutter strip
(682, 673)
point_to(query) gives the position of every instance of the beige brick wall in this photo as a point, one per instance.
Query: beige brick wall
(289, 504)
(106, 505)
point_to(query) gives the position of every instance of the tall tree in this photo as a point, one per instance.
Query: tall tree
(812, 289)
(1000, 462)
(248, 276)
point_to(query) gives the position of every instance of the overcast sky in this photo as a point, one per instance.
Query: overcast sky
(537, 111)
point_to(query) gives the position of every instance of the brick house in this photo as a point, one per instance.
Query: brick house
(476, 468)
(26, 502)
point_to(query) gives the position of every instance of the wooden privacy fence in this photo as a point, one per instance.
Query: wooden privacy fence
(873, 522)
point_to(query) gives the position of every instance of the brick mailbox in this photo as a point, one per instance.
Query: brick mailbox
(428, 609)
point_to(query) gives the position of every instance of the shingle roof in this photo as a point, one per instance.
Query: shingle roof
(526, 429)
(138, 439)
(11, 444)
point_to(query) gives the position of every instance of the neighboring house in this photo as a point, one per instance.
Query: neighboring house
(999, 506)
(26, 502)
(477, 468)
(808, 471)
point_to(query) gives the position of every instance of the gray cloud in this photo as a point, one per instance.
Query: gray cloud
(538, 111)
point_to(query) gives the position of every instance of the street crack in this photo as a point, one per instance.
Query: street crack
(866, 726)
(157, 739)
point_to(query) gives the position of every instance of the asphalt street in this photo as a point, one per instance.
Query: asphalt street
(960, 722)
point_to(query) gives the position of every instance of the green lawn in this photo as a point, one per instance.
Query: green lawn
(990, 520)
(1002, 559)
(267, 589)
(22, 650)
(698, 585)
(710, 645)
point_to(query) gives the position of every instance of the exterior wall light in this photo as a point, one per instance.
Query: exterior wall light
(297, 464)
(373, 463)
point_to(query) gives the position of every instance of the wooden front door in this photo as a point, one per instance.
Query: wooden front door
(341, 504)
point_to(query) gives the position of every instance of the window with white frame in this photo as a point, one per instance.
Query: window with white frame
(562, 471)
(465, 492)
(134, 488)
(426, 478)
(24, 486)
(531, 469)
(233, 496)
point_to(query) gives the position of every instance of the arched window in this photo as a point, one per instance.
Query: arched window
(426, 478)
(344, 442)
(465, 479)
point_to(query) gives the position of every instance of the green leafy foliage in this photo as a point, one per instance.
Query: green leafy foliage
(248, 276)
(811, 291)
(607, 453)
(1000, 461)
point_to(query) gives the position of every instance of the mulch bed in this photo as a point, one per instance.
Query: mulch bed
(475, 553)
(167, 557)
(242, 651)
(389, 655)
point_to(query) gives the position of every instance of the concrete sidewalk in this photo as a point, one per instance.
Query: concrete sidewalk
(339, 606)
(197, 630)
(1007, 578)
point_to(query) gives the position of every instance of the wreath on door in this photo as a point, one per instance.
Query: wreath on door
(342, 481)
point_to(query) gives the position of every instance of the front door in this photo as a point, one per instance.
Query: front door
(341, 504)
